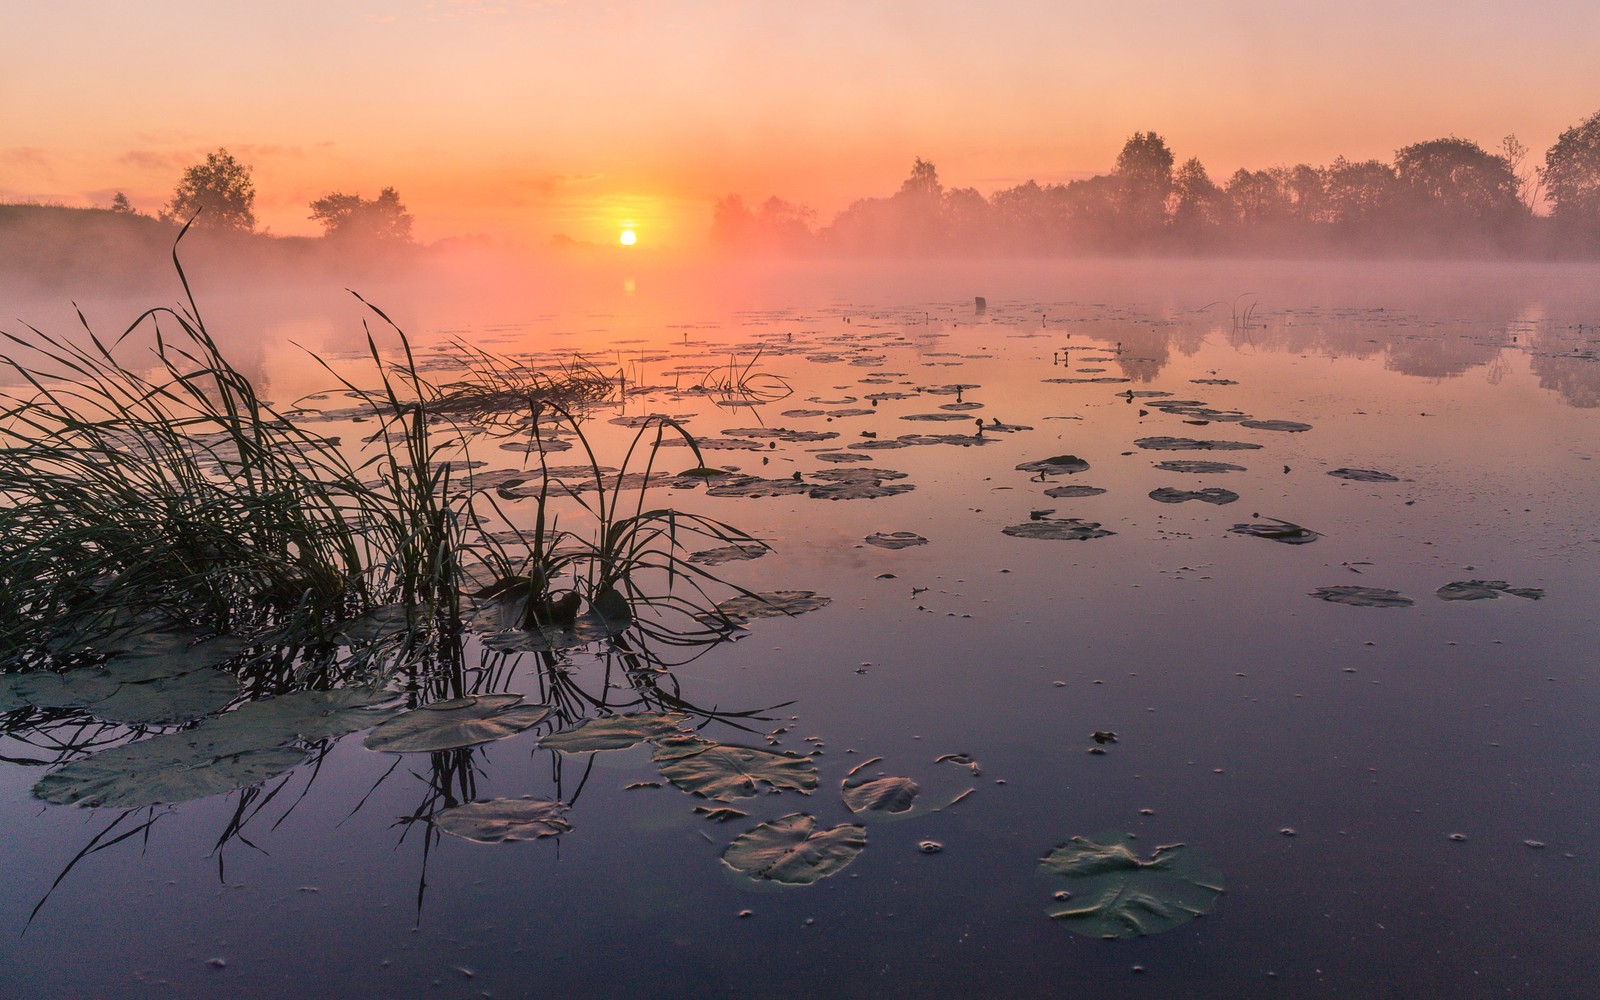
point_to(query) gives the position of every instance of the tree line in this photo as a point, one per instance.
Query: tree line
(1446, 195)
(218, 194)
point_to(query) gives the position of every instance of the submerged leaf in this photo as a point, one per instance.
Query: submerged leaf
(791, 850)
(1117, 894)
(1277, 531)
(617, 732)
(1364, 475)
(497, 821)
(895, 539)
(1479, 590)
(1363, 597)
(458, 722)
(723, 771)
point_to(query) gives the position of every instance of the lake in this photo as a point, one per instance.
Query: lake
(1294, 565)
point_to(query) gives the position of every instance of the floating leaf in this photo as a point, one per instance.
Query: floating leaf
(381, 623)
(1213, 495)
(895, 539)
(458, 722)
(498, 821)
(616, 732)
(1277, 531)
(771, 604)
(720, 814)
(1060, 492)
(167, 700)
(1289, 426)
(1199, 467)
(1479, 590)
(791, 850)
(302, 715)
(888, 795)
(70, 689)
(1191, 444)
(1068, 529)
(171, 656)
(161, 769)
(10, 698)
(722, 771)
(1117, 894)
(1364, 475)
(1363, 597)
(726, 554)
(1060, 465)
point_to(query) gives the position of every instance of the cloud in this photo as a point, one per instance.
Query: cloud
(27, 158)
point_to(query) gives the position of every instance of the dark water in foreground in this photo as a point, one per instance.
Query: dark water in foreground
(1402, 800)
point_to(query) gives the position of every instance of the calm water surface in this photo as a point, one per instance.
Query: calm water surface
(1402, 800)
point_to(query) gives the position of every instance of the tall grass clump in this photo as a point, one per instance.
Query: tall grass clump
(158, 490)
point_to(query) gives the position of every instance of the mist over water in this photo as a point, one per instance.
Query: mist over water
(1322, 755)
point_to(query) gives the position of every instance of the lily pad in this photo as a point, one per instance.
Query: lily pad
(895, 539)
(616, 732)
(1067, 529)
(1060, 465)
(886, 795)
(1289, 426)
(1364, 475)
(1060, 492)
(171, 656)
(167, 700)
(772, 604)
(1364, 597)
(498, 821)
(302, 715)
(1196, 466)
(1193, 444)
(458, 722)
(791, 850)
(756, 487)
(161, 769)
(1479, 590)
(1213, 495)
(69, 689)
(1277, 531)
(722, 771)
(1117, 894)
(727, 554)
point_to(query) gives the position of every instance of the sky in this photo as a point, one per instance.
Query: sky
(522, 120)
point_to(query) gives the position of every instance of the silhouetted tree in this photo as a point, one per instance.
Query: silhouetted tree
(778, 225)
(121, 205)
(1358, 193)
(1144, 174)
(1454, 182)
(1258, 197)
(219, 190)
(1197, 202)
(1572, 174)
(381, 220)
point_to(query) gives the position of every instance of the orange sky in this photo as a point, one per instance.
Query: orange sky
(525, 119)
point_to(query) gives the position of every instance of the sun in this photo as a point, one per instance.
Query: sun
(629, 238)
